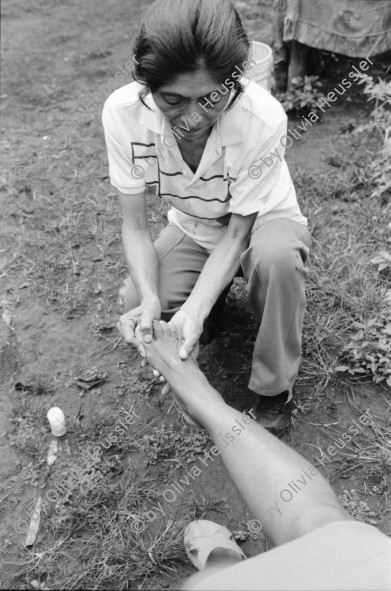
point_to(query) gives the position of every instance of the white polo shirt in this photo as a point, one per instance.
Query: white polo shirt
(242, 169)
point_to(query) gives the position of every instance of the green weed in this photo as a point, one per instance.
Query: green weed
(303, 96)
(357, 508)
(379, 167)
(174, 444)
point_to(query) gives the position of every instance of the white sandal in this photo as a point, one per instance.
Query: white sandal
(203, 536)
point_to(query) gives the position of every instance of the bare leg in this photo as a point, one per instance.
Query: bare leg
(280, 487)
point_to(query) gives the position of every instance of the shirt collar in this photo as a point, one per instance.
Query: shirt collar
(229, 124)
(152, 118)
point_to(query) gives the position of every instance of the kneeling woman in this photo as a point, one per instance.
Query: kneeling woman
(210, 143)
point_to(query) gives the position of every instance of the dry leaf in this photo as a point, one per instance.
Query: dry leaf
(34, 523)
(6, 316)
(52, 453)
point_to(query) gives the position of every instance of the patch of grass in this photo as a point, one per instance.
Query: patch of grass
(104, 425)
(372, 458)
(29, 434)
(379, 168)
(139, 383)
(369, 350)
(176, 444)
(357, 508)
(342, 287)
(90, 543)
(206, 504)
(90, 503)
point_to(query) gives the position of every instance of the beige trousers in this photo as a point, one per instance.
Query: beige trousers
(273, 266)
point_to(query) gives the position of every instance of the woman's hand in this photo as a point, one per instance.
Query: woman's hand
(189, 329)
(142, 316)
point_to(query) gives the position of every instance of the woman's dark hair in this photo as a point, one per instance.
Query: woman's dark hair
(180, 36)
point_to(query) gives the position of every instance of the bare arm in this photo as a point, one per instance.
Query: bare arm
(219, 270)
(143, 267)
(221, 267)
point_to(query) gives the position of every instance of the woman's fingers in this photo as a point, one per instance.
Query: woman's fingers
(126, 327)
(187, 346)
(146, 320)
(137, 345)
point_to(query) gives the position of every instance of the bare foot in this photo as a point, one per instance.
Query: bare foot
(186, 380)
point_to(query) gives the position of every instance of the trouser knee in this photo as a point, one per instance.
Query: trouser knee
(273, 277)
(285, 264)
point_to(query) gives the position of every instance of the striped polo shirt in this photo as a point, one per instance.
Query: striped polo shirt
(242, 169)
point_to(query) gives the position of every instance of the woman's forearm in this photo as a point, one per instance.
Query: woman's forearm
(219, 270)
(142, 262)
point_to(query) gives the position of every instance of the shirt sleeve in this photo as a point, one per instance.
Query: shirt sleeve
(124, 175)
(259, 174)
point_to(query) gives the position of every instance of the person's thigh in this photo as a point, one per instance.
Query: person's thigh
(180, 262)
(277, 245)
(273, 240)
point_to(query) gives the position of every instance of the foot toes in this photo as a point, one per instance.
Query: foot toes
(173, 330)
(165, 328)
(157, 329)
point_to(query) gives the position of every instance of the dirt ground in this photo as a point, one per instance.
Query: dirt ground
(63, 263)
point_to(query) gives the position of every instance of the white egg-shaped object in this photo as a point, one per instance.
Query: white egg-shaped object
(57, 421)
